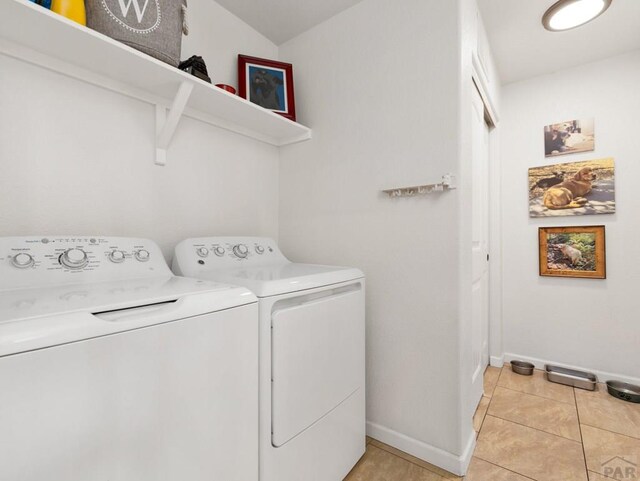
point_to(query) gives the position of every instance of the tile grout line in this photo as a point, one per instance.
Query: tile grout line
(535, 429)
(527, 426)
(480, 430)
(497, 379)
(536, 395)
(507, 469)
(482, 425)
(609, 431)
(532, 394)
(584, 453)
(490, 398)
(575, 404)
(484, 417)
(360, 461)
(411, 462)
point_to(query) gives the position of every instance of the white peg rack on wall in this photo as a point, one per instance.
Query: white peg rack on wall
(448, 183)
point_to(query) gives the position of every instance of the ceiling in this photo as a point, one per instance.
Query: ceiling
(523, 48)
(282, 20)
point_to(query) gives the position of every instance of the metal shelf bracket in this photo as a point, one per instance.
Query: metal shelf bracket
(167, 122)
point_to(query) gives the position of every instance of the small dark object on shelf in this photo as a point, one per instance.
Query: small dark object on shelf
(522, 367)
(625, 391)
(195, 66)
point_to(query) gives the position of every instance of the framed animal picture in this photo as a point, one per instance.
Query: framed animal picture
(267, 83)
(569, 137)
(575, 188)
(573, 252)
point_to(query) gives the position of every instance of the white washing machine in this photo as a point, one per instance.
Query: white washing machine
(113, 369)
(312, 353)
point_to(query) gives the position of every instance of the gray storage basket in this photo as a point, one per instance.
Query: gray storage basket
(154, 27)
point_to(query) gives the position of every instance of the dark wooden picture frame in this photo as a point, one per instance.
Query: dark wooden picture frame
(267, 83)
(573, 252)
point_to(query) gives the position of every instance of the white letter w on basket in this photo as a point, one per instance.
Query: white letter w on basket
(136, 7)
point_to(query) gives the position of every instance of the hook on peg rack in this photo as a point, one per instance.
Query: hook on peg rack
(447, 183)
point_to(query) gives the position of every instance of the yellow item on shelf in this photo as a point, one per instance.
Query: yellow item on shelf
(72, 9)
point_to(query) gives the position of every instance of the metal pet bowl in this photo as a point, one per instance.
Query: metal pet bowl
(624, 391)
(521, 367)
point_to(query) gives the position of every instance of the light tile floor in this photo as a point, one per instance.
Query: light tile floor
(530, 429)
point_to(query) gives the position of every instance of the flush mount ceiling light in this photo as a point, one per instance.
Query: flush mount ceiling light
(568, 14)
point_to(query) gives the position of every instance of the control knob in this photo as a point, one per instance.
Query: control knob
(202, 251)
(74, 258)
(116, 256)
(260, 250)
(241, 251)
(22, 260)
(142, 255)
(219, 251)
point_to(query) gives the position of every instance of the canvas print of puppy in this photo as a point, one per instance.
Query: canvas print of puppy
(576, 188)
(569, 137)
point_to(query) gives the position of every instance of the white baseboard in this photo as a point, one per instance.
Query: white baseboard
(603, 376)
(457, 465)
(465, 459)
(496, 361)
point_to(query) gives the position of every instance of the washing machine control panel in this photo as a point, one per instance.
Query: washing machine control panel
(228, 252)
(41, 261)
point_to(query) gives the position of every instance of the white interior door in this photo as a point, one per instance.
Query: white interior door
(480, 244)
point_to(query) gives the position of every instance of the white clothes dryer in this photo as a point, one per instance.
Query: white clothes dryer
(312, 353)
(113, 369)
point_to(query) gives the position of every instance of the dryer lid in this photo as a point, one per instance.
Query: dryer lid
(283, 278)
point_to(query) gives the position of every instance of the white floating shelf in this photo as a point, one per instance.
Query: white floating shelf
(36, 35)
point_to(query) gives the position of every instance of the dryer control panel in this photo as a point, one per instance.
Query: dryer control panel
(228, 252)
(43, 261)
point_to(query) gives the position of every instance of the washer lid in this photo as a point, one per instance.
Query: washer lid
(283, 278)
(44, 317)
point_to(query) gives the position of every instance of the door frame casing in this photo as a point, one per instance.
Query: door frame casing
(496, 350)
(480, 233)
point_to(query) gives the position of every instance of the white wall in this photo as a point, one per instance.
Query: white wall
(75, 158)
(592, 324)
(219, 36)
(381, 93)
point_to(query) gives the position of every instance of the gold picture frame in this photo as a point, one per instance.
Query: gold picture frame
(573, 252)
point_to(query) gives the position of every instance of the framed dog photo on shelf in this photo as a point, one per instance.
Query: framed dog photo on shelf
(267, 83)
(569, 137)
(573, 252)
(575, 188)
